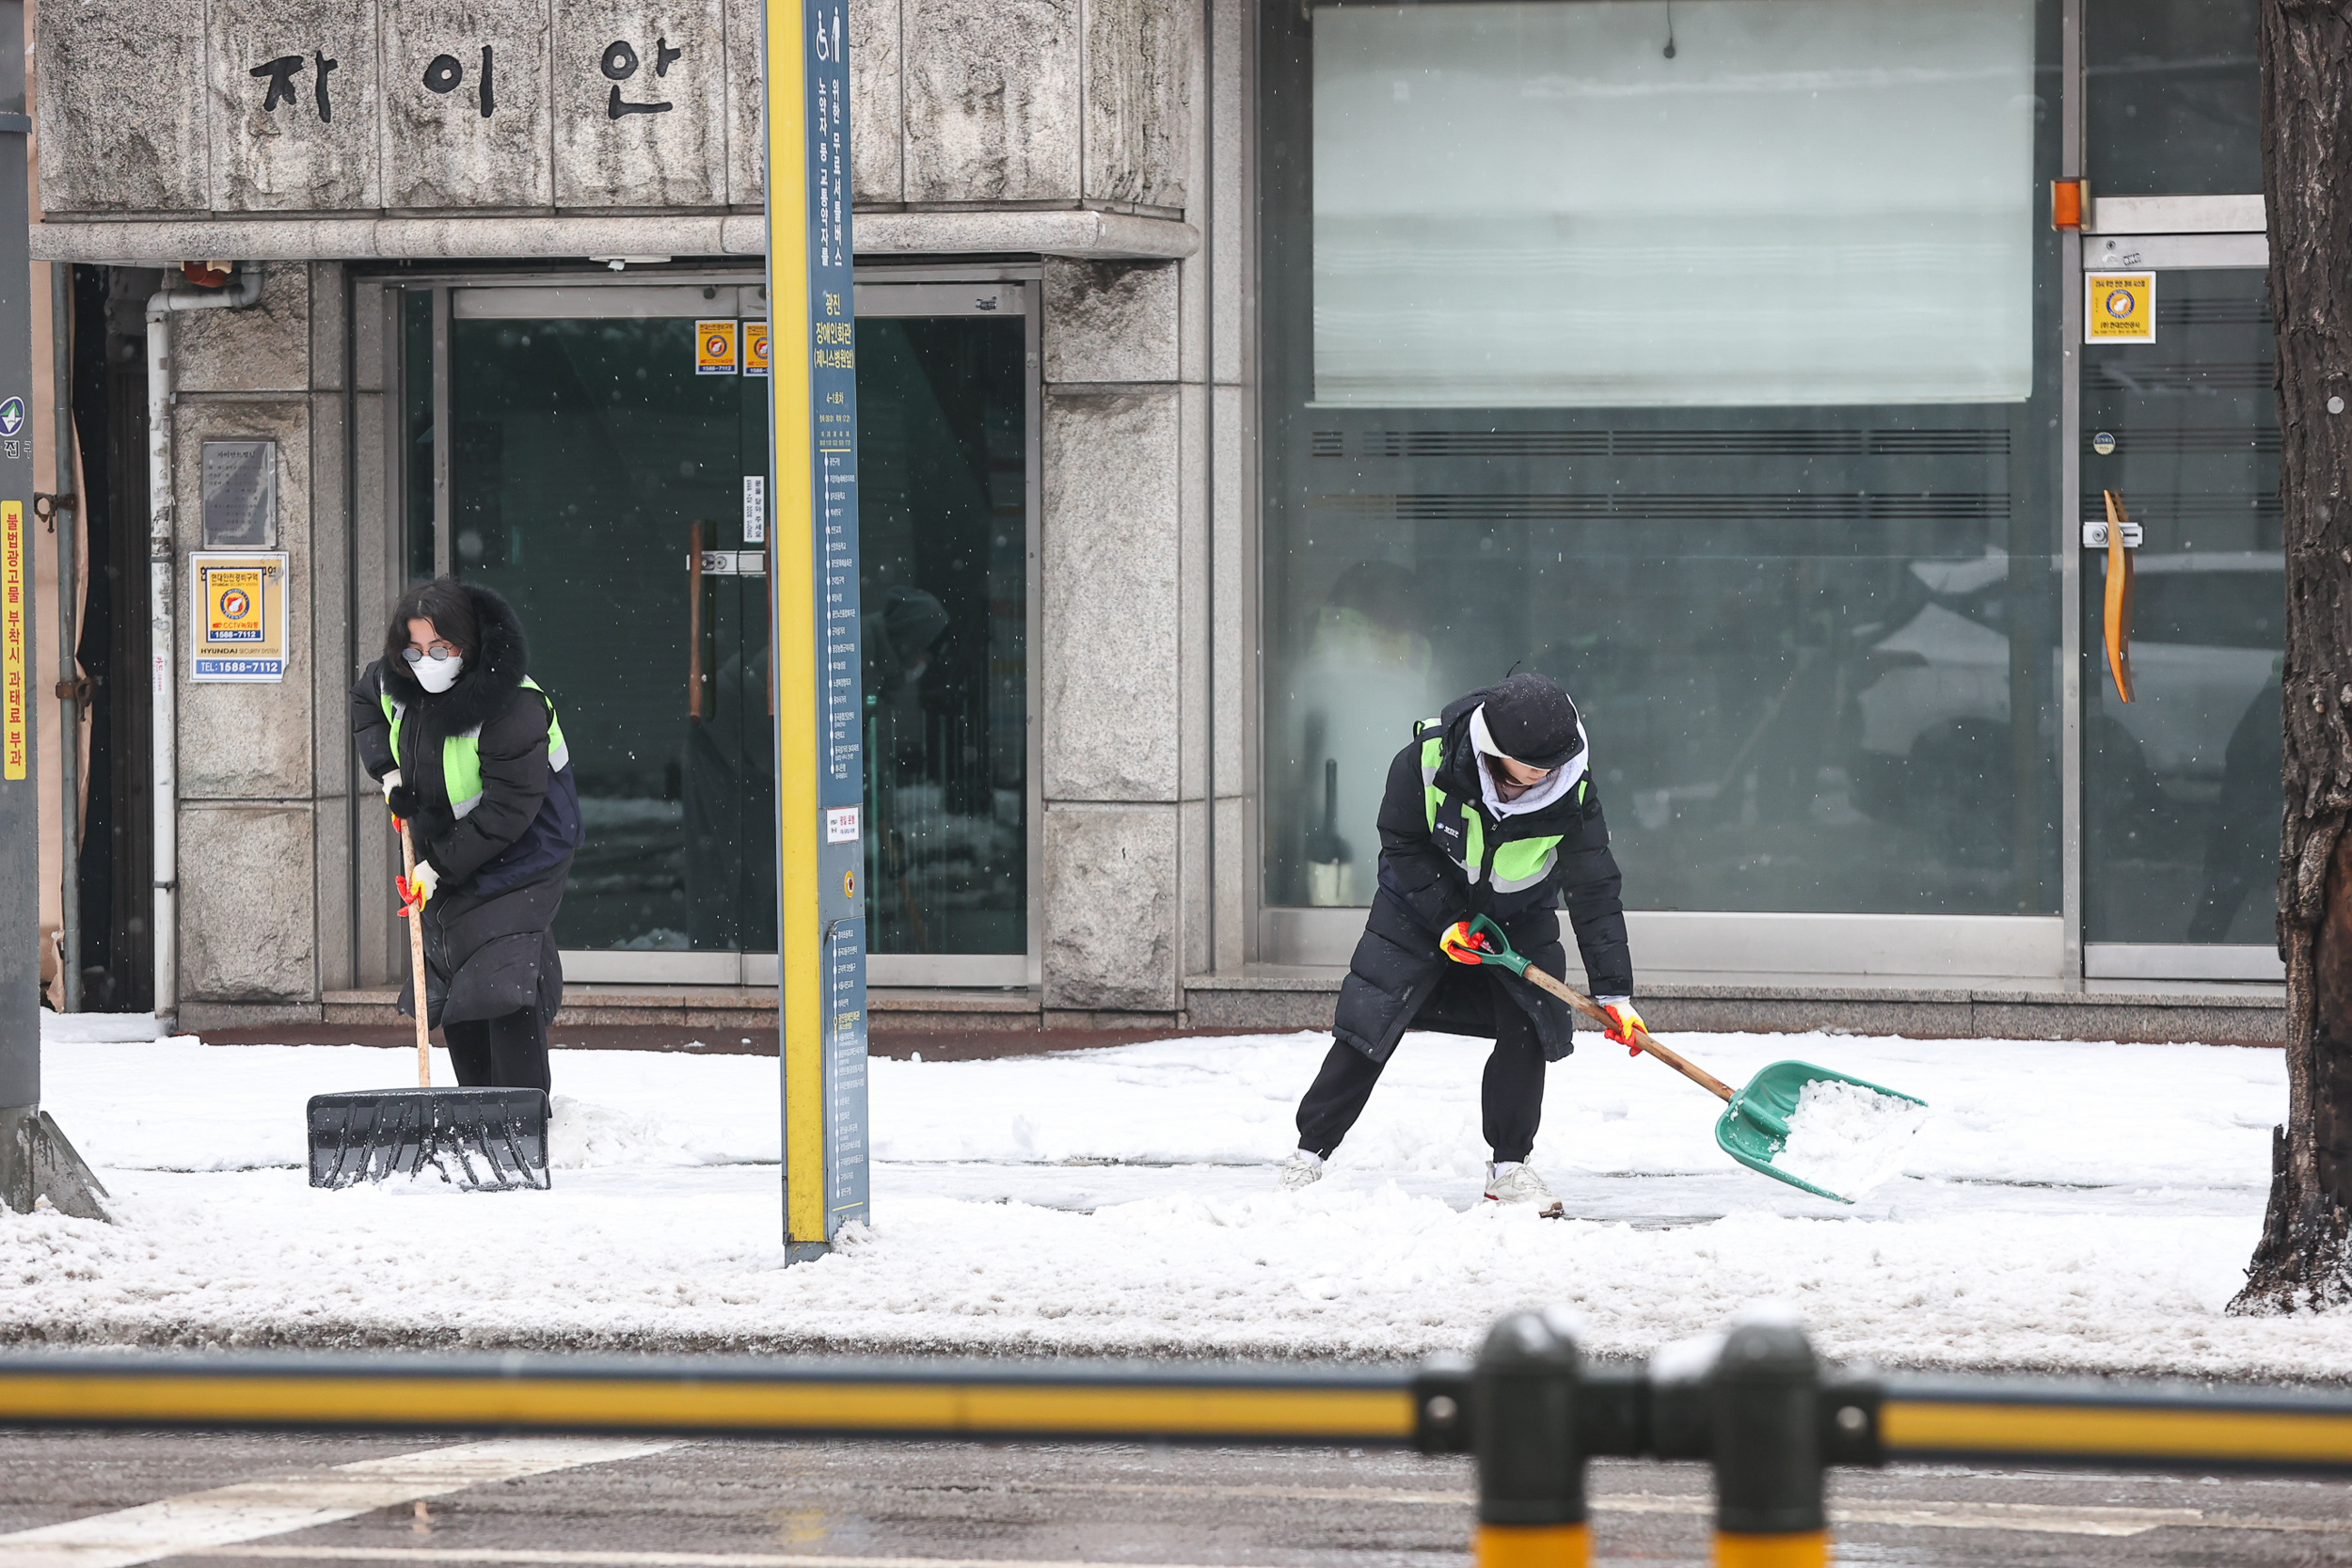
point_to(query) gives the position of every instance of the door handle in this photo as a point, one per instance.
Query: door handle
(694, 622)
(2118, 594)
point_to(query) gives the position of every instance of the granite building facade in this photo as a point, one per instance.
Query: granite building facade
(1237, 382)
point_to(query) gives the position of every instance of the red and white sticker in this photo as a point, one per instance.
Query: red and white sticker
(841, 825)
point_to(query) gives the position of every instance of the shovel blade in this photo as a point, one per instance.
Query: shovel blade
(1755, 1125)
(481, 1140)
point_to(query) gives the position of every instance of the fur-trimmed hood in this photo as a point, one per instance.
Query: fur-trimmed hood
(493, 674)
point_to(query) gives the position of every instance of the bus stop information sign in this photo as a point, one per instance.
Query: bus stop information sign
(820, 729)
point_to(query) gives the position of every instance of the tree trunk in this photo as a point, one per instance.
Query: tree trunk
(2304, 1259)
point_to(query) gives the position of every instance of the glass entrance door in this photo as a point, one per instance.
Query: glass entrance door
(946, 488)
(607, 471)
(2180, 784)
(598, 474)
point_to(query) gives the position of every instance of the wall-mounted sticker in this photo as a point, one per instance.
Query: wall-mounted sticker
(714, 348)
(2120, 308)
(755, 348)
(755, 509)
(15, 606)
(239, 616)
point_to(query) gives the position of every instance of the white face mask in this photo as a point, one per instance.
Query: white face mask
(437, 674)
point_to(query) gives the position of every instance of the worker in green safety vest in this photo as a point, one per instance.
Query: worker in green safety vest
(468, 751)
(1490, 810)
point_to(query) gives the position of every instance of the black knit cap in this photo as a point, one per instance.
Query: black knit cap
(1533, 722)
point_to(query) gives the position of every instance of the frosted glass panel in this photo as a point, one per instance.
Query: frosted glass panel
(1812, 203)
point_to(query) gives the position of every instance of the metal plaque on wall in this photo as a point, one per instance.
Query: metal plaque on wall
(240, 495)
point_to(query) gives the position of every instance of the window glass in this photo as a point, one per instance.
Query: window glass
(2175, 98)
(588, 461)
(1666, 377)
(943, 537)
(2181, 785)
(1802, 202)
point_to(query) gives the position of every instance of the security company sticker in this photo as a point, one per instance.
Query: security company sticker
(15, 700)
(232, 596)
(755, 348)
(2120, 308)
(240, 623)
(714, 348)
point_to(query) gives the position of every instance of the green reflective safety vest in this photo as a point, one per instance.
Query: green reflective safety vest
(461, 755)
(1515, 865)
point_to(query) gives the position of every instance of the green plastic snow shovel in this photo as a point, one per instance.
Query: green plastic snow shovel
(1754, 1123)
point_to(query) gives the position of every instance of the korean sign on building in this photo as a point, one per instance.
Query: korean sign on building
(297, 106)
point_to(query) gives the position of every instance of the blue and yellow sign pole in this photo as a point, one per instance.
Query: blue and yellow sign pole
(820, 721)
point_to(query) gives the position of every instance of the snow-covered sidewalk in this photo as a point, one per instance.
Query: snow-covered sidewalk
(2069, 1205)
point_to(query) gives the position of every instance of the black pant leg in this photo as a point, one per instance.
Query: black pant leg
(470, 1053)
(1510, 1096)
(519, 1051)
(1336, 1098)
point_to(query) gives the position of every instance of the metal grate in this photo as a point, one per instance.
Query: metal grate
(2213, 312)
(2184, 439)
(2139, 379)
(1670, 443)
(1853, 507)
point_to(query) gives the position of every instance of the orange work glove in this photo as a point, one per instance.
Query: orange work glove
(415, 890)
(1625, 1021)
(1464, 945)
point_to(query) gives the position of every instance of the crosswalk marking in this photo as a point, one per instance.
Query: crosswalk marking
(178, 1527)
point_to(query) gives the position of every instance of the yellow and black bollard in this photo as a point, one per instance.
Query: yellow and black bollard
(1764, 1421)
(1531, 1473)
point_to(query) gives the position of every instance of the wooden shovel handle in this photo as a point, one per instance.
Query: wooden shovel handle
(416, 962)
(1599, 1015)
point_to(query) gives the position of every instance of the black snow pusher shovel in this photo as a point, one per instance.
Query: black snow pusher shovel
(472, 1138)
(1753, 1127)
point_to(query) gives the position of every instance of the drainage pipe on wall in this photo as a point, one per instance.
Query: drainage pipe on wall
(162, 617)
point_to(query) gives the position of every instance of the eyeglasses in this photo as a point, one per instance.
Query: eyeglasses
(440, 653)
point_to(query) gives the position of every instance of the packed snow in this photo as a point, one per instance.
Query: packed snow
(1847, 1138)
(1122, 1201)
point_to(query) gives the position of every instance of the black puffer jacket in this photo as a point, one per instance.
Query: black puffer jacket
(1397, 968)
(527, 819)
(490, 938)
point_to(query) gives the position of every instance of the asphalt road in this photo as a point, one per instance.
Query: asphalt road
(741, 1505)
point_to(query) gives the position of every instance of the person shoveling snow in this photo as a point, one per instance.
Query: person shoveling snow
(1489, 813)
(474, 768)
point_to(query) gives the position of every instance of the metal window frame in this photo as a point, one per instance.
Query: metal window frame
(443, 563)
(922, 287)
(2073, 109)
(459, 294)
(1857, 948)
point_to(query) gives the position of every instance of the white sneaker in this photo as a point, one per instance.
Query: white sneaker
(1301, 1169)
(1520, 1183)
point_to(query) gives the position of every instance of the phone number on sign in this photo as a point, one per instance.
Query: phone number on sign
(240, 667)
